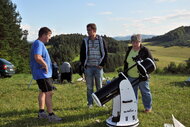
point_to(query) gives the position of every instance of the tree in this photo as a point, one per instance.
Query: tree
(12, 47)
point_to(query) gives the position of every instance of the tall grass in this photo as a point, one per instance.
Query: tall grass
(19, 106)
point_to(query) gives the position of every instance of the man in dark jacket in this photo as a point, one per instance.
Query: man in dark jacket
(93, 55)
(138, 51)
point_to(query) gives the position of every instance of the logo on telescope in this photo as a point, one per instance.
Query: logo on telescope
(131, 110)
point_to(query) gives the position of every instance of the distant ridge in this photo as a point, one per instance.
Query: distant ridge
(128, 37)
(177, 37)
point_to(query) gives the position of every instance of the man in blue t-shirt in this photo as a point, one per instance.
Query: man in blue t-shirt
(41, 68)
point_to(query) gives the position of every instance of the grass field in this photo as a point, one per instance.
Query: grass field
(170, 54)
(165, 55)
(19, 106)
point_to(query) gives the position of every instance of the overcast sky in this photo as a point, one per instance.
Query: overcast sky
(113, 17)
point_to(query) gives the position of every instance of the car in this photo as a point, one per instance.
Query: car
(7, 69)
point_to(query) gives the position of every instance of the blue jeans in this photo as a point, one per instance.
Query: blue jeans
(93, 74)
(145, 92)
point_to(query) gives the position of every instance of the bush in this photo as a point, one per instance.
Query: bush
(158, 70)
(182, 68)
(171, 68)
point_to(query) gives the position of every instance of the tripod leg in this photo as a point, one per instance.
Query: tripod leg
(30, 83)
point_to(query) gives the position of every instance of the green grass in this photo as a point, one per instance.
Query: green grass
(171, 54)
(48, 46)
(19, 106)
(76, 59)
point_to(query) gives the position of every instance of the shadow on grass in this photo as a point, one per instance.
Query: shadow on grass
(181, 84)
(101, 124)
(21, 119)
(26, 122)
(26, 118)
(14, 113)
(88, 114)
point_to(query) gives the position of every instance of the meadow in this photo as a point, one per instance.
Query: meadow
(19, 105)
(165, 55)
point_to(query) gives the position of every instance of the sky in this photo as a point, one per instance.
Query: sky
(112, 17)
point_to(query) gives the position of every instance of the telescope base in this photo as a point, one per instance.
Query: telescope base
(110, 123)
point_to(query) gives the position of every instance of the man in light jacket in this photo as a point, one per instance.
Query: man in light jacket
(93, 56)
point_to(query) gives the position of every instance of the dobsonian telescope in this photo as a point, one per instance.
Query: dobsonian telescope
(124, 112)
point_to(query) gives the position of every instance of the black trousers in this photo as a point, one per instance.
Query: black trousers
(67, 76)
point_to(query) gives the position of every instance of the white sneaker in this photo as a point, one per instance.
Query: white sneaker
(42, 115)
(54, 118)
(90, 106)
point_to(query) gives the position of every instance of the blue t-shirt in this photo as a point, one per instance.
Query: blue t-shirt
(38, 48)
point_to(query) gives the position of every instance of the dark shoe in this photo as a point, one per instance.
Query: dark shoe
(54, 118)
(54, 88)
(42, 115)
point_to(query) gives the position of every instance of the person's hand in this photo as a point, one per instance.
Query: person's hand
(100, 67)
(81, 70)
(143, 78)
(46, 68)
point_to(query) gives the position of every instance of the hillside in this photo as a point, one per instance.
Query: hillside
(177, 37)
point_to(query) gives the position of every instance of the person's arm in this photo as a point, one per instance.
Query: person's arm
(40, 60)
(83, 53)
(106, 55)
(149, 54)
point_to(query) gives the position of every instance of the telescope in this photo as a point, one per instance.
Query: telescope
(124, 112)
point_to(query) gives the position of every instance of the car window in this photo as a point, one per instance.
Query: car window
(5, 61)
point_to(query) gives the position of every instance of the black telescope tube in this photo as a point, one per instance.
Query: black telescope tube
(109, 91)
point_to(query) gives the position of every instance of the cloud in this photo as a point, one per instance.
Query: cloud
(119, 19)
(25, 26)
(156, 25)
(160, 1)
(32, 31)
(137, 12)
(176, 15)
(91, 4)
(106, 13)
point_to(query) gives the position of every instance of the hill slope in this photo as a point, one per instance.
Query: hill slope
(177, 37)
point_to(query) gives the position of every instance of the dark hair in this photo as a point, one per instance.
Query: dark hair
(92, 26)
(43, 30)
